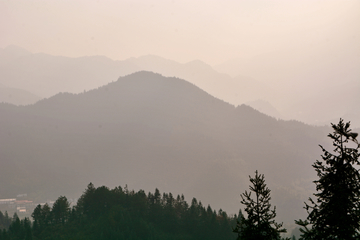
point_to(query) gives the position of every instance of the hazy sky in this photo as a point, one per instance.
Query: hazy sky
(210, 30)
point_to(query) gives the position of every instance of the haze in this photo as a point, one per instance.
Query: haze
(296, 51)
(212, 31)
(154, 94)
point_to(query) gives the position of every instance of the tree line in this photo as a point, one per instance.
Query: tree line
(103, 213)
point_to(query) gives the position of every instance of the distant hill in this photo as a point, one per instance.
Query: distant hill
(11, 53)
(46, 75)
(148, 131)
(17, 96)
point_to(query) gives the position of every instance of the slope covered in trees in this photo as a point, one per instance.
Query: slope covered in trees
(146, 130)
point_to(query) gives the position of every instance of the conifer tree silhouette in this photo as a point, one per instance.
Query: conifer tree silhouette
(335, 214)
(260, 223)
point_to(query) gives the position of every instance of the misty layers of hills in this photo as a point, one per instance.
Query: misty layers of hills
(149, 131)
(300, 88)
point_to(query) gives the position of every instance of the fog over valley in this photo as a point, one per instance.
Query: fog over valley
(185, 97)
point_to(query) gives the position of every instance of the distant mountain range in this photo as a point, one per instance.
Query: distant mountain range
(149, 131)
(45, 75)
(289, 88)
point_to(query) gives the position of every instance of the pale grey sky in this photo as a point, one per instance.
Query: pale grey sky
(210, 30)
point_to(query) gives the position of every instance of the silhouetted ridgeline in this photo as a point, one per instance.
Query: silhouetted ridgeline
(146, 130)
(118, 213)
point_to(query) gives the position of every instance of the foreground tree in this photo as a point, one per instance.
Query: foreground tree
(336, 212)
(260, 223)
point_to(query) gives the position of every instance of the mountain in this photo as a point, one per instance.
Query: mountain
(197, 72)
(289, 80)
(149, 131)
(46, 75)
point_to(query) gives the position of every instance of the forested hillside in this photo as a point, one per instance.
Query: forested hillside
(148, 131)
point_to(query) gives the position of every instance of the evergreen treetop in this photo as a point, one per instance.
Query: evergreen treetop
(335, 214)
(260, 223)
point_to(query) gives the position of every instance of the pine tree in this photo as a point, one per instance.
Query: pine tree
(61, 210)
(46, 215)
(260, 223)
(27, 229)
(336, 212)
(38, 222)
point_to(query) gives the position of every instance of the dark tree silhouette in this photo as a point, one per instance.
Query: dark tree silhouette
(260, 223)
(38, 222)
(61, 210)
(335, 214)
(5, 220)
(103, 213)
